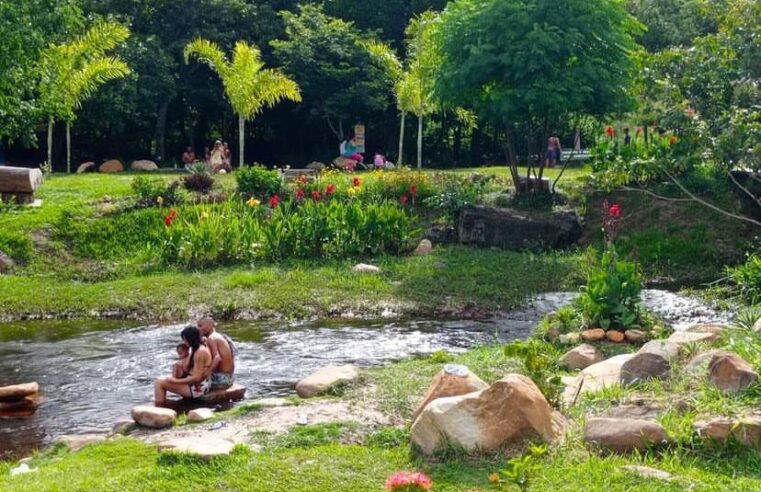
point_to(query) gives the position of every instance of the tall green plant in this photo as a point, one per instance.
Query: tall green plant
(72, 72)
(248, 85)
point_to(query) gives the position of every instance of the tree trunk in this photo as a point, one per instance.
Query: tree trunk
(420, 142)
(68, 147)
(161, 131)
(241, 140)
(400, 160)
(50, 142)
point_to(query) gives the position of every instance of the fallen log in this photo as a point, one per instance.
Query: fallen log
(18, 391)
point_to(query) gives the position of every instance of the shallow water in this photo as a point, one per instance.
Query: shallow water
(91, 373)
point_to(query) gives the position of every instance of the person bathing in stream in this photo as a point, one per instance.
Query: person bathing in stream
(197, 383)
(180, 368)
(223, 353)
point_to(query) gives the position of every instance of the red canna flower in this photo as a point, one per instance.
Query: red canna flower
(330, 189)
(615, 211)
(404, 199)
(274, 201)
(316, 196)
(300, 194)
(610, 131)
(413, 190)
(410, 481)
(356, 182)
(170, 217)
(673, 140)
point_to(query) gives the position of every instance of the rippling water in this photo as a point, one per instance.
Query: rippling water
(91, 373)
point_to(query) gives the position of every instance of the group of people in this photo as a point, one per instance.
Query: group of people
(217, 160)
(206, 362)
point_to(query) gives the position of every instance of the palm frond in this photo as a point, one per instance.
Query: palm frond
(207, 52)
(386, 56)
(85, 81)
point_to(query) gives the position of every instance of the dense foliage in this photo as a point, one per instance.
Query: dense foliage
(258, 181)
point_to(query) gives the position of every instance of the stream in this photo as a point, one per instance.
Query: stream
(92, 372)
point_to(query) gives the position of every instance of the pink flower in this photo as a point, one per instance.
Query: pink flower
(408, 481)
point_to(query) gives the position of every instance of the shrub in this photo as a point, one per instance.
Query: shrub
(747, 279)
(199, 180)
(17, 245)
(257, 181)
(155, 192)
(454, 193)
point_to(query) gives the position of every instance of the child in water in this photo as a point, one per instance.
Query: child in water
(180, 368)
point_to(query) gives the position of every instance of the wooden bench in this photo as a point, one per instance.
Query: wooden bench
(18, 184)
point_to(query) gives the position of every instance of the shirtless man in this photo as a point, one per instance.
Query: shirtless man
(222, 353)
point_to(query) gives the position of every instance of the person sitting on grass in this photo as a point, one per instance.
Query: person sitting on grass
(180, 367)
(197, 383)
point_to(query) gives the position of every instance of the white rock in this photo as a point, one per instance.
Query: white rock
(365, 268)
(21, 469)
(595, 377)
(200, 415)
(647, 472)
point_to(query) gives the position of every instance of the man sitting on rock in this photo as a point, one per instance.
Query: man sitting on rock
(223, 355)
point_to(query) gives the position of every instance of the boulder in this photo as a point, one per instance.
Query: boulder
(453, 380)
(153, 417)
(6, 263)
(18, 391)
(236, 392)
(512, 408)
(665, 348)
(682, 338)
(624, 435)
(730, 373)
(593, 335)
(746, 431)
(424, 248)
(635, 336)
(615, 336)
(76, 442)
(200, 415)
(86, 167)
(325, 379)
(647, 472)
(652, 361)
(698, 364)
(594, 378)
(144, 165)
(581, 357)
(112, 166)
(513, 230)
(206, 447)
(365, 268)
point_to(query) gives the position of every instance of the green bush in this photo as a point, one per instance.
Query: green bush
(747, 279)
(151, 192)
(257, 181)
(611, 297)
(17, 245)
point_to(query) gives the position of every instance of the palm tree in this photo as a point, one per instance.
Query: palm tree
(72, 72)
(248, 85)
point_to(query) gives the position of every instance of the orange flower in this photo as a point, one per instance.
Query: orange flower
(494, 478)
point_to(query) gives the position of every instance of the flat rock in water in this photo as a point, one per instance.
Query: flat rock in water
(453, 380)
(204, 447)
(324, 379)
(647, 472)
(153, 417)
(18, 391)
(624, 435)
(731, 373)
(123, 426)
(365, 268)
(76, 442)
(200, 415)
(581, 357)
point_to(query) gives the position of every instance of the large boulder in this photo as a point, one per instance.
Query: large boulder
(112, 166)
(86, 167)
(746, 431)
(513, 230)
(512, 408)
(325, 379)
(6, 263)
(594, 378)
(698, 364)
(581, 357)
(144, 165)
(153, 417)
(624, 435)
(453, 380)
(652, 361)
(730, 373)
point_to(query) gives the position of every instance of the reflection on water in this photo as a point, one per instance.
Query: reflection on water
(91, 373)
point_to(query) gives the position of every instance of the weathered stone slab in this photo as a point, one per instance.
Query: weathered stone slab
(624, 435)
(453, 380)
(324, 379)
(236, 392)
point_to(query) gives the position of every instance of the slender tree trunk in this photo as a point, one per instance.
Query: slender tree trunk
(241, 140)
(50, 142)
(401, 141)
(420, 142)
(68, 147)
(161, 130)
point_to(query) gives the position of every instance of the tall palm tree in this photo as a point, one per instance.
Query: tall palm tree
(248, 85)
(72, 72)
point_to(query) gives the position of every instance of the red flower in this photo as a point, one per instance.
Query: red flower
(673, 140)
(170, 217)
(316, 196)
(408, 481)
(274, 201)
(404, 199)
(330, 189)
(355, 182)
(413, 190)
(300, 194)
(610, 131)
(615, 211)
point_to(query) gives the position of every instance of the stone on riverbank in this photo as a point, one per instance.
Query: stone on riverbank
(731, 373)
(325, 379)
(200, 415)
(624, 435)
(424, 248)
(236, 392)
(594, 378)
(75, 442)
(652, 361)
(18, 391)
(512, 408)
(581, 357)
(453, 380)
(647, 472)
(615, 336)
(593, 335)
(153, 417)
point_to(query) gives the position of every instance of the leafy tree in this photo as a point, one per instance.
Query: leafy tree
(71, 72)
(673, 22)
(248, 85)
(329, 59)
(27, 27)
(525, 65)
